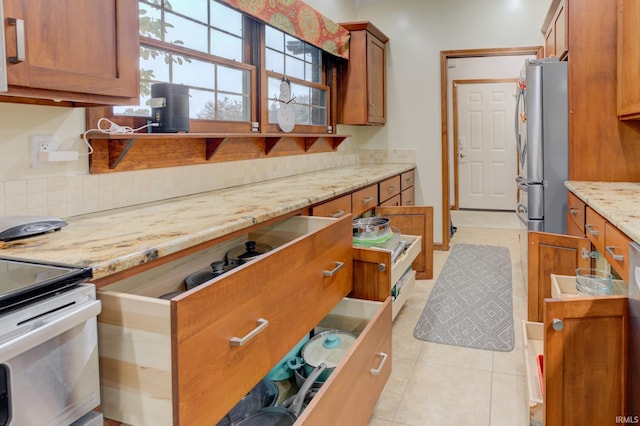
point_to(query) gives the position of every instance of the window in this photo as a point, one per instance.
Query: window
(215, 51)
(198, 44)
(289, 58)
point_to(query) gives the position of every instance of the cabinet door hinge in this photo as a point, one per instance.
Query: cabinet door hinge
(586, 254)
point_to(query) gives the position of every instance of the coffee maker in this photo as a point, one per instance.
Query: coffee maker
(169, 108)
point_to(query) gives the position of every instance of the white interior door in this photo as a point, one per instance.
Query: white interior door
(487, 159)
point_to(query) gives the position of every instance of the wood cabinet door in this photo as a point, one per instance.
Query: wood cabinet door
(77, 50)
(551, 254)
(414, 220)
(585, 360)
(376, 79)
(628, 58)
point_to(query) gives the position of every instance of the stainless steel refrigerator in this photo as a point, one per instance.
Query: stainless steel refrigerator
(542, 138)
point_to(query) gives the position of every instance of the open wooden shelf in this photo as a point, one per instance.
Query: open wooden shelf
(140, 151)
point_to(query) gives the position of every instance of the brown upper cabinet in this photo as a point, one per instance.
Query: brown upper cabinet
(554, 29)
(74, 54)
(362, 100)
(628, 60)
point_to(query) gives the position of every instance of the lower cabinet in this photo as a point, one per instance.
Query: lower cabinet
(188, 360)
(582, 339)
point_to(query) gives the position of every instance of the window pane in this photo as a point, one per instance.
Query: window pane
(302, 114)
(185, 33)
(313, 73)
(196, 9)
(301, 93)
(294, 67)
(232, 80)
(274, 38)
(275, 61)
(274, 90)
(295, 47)
(226, 45)
(194, 73)
(201, 104)
(319, 116)
(226, 19)
(153, 64)
(318, 97)
(230, 107)
(150, 22)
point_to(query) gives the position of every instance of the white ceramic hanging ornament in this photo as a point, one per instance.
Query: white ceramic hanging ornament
(286, 113)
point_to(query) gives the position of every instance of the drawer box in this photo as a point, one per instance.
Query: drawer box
(364, 199)
(564, 287)
(616, 250)
(576, 211)
(533, 337)
(407, 179)
(335, 208)
(374, 276)
(594, 229)
(188, 360)
(352, 390)
(389, 188)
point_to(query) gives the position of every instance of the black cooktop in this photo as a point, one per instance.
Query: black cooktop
(24, 281)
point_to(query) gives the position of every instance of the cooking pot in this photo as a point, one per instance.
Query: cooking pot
(286, 414)
(371, 227)
(250, 250)
(264, 394)
(328, 347)
(217, 268)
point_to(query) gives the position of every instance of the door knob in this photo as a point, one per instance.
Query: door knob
(557, 324)
(461, 155)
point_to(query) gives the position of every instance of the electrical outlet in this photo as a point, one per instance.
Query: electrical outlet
(41, 143)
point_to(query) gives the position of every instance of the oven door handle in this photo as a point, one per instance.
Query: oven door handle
(48, 328)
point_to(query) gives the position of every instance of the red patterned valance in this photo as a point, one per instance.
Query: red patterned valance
(300, 20)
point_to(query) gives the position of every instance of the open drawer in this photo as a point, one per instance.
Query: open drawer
(352, 390)
(188, 360)
(533, 334)
(564, 287)
(375, 276)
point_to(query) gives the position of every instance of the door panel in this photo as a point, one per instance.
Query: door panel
(585, 360)
(487, 158)
(551, 254)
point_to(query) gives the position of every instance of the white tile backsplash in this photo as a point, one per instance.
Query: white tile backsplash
(64, 196)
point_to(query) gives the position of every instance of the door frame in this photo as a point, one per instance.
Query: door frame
(454, 95)
(445, 55)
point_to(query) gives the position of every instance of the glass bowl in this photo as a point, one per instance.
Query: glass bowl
(593, 282)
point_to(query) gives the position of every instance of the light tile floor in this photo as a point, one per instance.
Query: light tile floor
(433, 384)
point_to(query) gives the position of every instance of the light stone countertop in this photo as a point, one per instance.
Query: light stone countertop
(618, 202)
(116, 240)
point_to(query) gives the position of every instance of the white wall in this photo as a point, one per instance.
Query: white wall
(419, 30)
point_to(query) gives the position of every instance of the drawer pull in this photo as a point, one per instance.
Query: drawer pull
(573, 211)
(391, 189)
(409, 180)
(239, 341)
(590, 230)
(617, 257)
(367, 200)
(410, 202)
(376, 371)
(331, 273)
(20, 50)
(557, 324)
(337, 214)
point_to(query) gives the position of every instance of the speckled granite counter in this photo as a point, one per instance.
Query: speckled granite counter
(116, 240)
(618, 202)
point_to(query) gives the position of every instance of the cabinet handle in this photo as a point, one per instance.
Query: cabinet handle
(557, 324)
(409, 180)
(410, 202)
(336, 214)
(590, 230)
(367, 200)
(239, 341)
(611, 251)
(376, 371)
(331, 273)
(391, 189)
(20, 55)
(573, 211)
